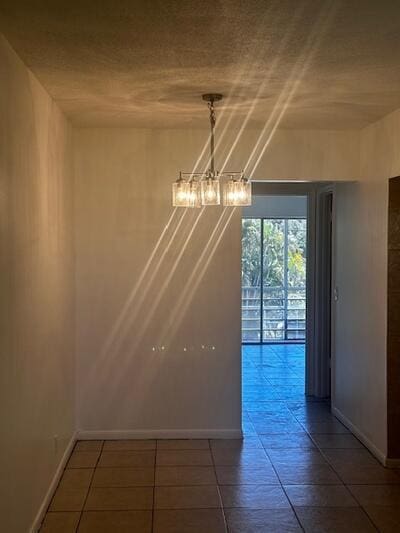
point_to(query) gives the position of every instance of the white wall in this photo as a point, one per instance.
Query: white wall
(140, 285)
(361, 275)
(186, 295)
(37, 294)
(275, 206)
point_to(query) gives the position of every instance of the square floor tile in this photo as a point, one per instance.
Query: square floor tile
(60, 523)
(68, 499)
(127, 458)
(334, 519)
(271, 428)
(300, 474)
(115, 522)
(333, 426)
(246, 475)
(198, 497)
(183, 444)
(371, 474)
(88, 446)
(119, 499)
(185, 475)
(231, 457)
(261, 521)
(124, 477)
(189, 520)
(296, 457)
(385, 518)
(320, 496)
(336, 440)
(121, 445)
(241, 444)
(354, 457)
(83, 459)
(287, 441)
(376, 494)
(253, 496)
(76, 478)
(271, 419)
(184, 458)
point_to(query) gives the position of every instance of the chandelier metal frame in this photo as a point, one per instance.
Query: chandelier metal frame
(196, 189)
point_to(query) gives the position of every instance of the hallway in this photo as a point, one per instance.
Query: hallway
(332, 481)
(297, 469)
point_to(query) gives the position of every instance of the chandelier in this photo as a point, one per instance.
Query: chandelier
(196, 189)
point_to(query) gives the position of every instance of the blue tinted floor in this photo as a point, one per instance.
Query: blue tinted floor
(273, 381)
(330, 481)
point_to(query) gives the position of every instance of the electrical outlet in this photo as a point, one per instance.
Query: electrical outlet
(336, 294)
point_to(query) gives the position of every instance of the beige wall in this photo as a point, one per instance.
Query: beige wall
(37, 294)
(361, 275)
(143, 284)
(185, 295)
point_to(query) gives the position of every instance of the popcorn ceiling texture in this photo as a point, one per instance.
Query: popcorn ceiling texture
(311, 64)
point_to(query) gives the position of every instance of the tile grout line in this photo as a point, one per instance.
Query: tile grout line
(218, 489)
(283, 488)
(345, 485)
(154, 486)
(362, 507)
(90, 486)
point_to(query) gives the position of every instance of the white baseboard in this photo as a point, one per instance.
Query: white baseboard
(361, 437)
(53, 485)
(392, 463)
(160, 434)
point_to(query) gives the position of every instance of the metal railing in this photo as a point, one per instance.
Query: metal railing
(281, 316)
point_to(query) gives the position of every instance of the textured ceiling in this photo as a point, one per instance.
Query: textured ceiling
(300, 64)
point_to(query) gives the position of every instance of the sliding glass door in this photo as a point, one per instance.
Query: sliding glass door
(273, 279)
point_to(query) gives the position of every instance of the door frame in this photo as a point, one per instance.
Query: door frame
(324, 283)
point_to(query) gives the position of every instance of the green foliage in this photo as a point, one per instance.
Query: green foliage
(251, 260)
(274, 250)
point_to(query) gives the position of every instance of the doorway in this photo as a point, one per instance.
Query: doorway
(274, 301)
(287, 294)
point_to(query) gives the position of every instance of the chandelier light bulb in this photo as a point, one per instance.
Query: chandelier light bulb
(186, 193)
(237, 193)
(210, 191)
(194, 197)
(180, 192)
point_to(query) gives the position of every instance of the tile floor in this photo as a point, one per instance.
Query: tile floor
(297, 469)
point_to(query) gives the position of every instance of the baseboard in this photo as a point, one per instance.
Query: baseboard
(392, 463)
(160, 434)
(360, 436)
(53, 485)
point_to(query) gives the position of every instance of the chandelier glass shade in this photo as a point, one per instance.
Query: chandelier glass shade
(186, 193)
(237, 192)
(210, 190)
(198, 189)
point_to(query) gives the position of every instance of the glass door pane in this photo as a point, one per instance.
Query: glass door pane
(274, 287)
(296, 279)
(273, 280)
(251, 280)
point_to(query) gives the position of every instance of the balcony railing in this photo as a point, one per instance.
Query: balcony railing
(283, 312)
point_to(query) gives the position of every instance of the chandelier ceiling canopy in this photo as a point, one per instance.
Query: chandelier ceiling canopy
(196, 189)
